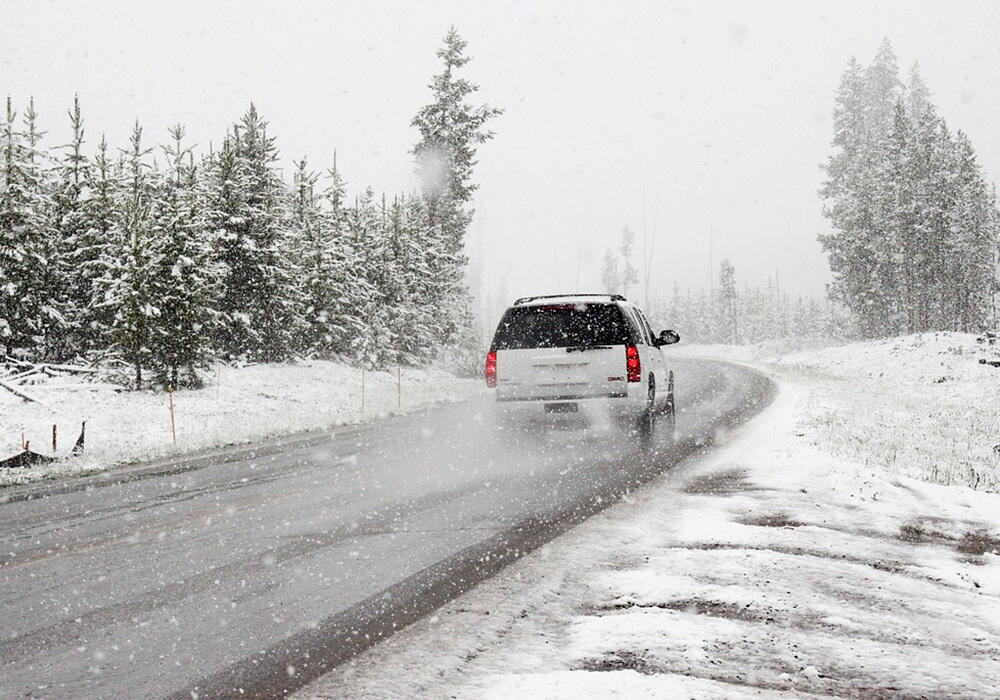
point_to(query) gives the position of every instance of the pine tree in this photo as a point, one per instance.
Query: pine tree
(247, 210)
(44, 240)
(99, 253)
(908, 251)
(918, 97)
(78, 248)
(928, 155)
(125, 288)
(16, 313)
(727, 301)
(894, 250)
(184, 278)
(450, 129)
(882, 89)
(321, 258)
(974, 220)
(847, 198)
(26, 311)
(416, 326)
(366, 239)
(344, 282)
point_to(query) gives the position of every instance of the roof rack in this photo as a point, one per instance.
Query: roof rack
(525, 300)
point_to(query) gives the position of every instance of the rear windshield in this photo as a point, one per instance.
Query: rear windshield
(560, 326)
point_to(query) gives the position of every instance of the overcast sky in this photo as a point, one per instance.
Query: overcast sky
(692, 116)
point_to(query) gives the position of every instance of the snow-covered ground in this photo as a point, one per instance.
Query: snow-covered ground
(248, 404)
(783, 564)
(920, 405)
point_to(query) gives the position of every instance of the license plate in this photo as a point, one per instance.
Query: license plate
(561, 408)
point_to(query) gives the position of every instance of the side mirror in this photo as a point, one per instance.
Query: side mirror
(668, 338)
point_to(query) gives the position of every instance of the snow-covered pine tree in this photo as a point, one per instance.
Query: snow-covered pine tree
(974, 222)
(366, 239)
(450, 129)
(906, 207)
(394, 287)
(26, 311)
(864, 255)
(78, 248)
(402, 287)
(184, 277)
(312, 256)
(882, 88)
(918, 96)
(893, 252)
(417, 328)
(247, 212)
(343, 282)
(128, 263)
(45, 240)
(727, 304)
(847, 200)
(321, 261)
(99, 250)
(927, 160)
(18, 305)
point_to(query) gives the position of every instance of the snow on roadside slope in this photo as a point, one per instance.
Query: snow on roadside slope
(769, 567)
(253, 403)
(920, 405)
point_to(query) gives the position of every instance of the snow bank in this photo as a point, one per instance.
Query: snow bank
(248, 404)
(768, 568)
(919, 405)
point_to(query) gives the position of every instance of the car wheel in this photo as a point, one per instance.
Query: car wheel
(670, 411)
(647, 421)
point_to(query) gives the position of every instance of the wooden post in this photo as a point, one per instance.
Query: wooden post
(173, 426)
(362, 392)
(218, 378)
(399, 388)
(53, 438)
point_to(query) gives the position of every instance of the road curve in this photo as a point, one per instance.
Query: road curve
(252, 571)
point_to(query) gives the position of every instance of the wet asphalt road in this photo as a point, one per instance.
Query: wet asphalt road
(251, 571)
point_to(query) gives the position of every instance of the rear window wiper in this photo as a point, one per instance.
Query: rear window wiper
(585, 348)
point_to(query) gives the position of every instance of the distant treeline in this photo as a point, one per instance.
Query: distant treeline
(915, 224)
(728, 314)
(164, 259)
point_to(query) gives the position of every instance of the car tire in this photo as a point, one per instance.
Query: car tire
(670, 410)
(647, 421)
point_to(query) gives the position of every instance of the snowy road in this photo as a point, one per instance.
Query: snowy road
(260, 569)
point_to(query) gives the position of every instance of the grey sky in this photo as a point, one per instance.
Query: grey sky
(710, 112)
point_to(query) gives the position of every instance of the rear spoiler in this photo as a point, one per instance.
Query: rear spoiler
(525, 300)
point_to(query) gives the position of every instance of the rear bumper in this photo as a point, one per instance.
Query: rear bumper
(561, 397)
(573, 411)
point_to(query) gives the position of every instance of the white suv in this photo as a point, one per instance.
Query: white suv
(593, 357)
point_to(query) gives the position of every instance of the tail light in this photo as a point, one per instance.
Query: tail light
(491, 369)
(633, 368)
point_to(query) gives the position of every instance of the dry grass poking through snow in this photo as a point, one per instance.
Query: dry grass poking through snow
(922, 405)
